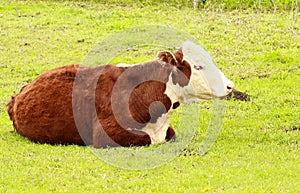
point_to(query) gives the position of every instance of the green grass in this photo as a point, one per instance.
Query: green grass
(258, 149)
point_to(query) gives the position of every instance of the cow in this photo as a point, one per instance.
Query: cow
(116, 105)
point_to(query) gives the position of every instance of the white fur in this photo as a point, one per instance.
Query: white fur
(206, 83)
(158, 130)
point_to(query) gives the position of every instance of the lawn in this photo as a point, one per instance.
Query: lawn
(258, 47)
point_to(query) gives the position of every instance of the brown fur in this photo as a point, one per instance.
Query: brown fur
(92, 106)
(42, 111)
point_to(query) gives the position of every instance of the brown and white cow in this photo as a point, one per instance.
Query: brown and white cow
(113, 105)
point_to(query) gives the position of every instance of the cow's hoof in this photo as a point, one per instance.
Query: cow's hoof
(171, 135)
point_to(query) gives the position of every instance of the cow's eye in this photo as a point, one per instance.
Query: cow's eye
(198, 67)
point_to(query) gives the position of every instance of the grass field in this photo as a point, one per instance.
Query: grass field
(258, 149)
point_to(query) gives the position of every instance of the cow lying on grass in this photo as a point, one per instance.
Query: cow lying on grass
(113, 105)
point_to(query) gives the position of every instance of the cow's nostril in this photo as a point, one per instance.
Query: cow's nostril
(230, 87)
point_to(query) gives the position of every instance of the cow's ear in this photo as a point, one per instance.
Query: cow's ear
(179, 55)
(167, 57)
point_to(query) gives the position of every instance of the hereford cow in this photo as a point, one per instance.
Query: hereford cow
(112, 105)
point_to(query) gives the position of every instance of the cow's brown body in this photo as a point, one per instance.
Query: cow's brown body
(44, 110)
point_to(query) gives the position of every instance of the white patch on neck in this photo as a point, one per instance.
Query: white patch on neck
(158, 130)
(173, 91)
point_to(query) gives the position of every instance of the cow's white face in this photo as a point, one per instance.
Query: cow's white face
(206, 81)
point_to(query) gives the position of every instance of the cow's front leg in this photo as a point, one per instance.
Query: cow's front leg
(120, 137)
(171, 135)
(133, 138)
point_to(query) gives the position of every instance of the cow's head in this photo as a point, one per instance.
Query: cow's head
(195, 76)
